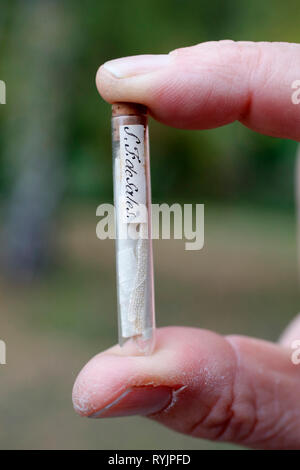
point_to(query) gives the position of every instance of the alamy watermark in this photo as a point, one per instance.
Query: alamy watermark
(296, 94)
(2, 92)
(295, 356)
(2, 343)
(2, 352)
(184, 221)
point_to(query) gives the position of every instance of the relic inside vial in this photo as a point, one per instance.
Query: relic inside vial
(132, 199)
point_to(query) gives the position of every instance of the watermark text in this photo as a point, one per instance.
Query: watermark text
(2, 352)
(296, 94)
(295, 357)
(175, 221)
(2, 92)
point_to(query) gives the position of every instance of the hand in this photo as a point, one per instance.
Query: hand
(230, 388)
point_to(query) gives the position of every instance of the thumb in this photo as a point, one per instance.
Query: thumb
(231, 389)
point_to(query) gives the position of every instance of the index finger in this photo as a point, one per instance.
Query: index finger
(212, 84)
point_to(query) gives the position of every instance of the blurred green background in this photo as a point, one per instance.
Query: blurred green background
(58, 305)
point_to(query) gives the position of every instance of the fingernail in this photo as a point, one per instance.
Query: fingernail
(137, 401)
(136, 65)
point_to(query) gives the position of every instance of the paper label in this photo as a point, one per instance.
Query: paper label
(133, 175)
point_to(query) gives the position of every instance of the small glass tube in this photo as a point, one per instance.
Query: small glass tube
(132, 200)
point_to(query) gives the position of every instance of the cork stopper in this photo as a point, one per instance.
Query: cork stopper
(128, 109)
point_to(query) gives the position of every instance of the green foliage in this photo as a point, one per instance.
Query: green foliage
(224, 164)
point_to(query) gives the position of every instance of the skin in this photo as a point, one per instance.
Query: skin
(231, 388)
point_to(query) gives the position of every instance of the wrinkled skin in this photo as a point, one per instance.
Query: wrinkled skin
(232, 388)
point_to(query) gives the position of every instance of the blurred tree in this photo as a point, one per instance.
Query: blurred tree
(55, 129)
(34, 142)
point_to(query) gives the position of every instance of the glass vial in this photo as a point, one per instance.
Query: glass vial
(132, 200)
